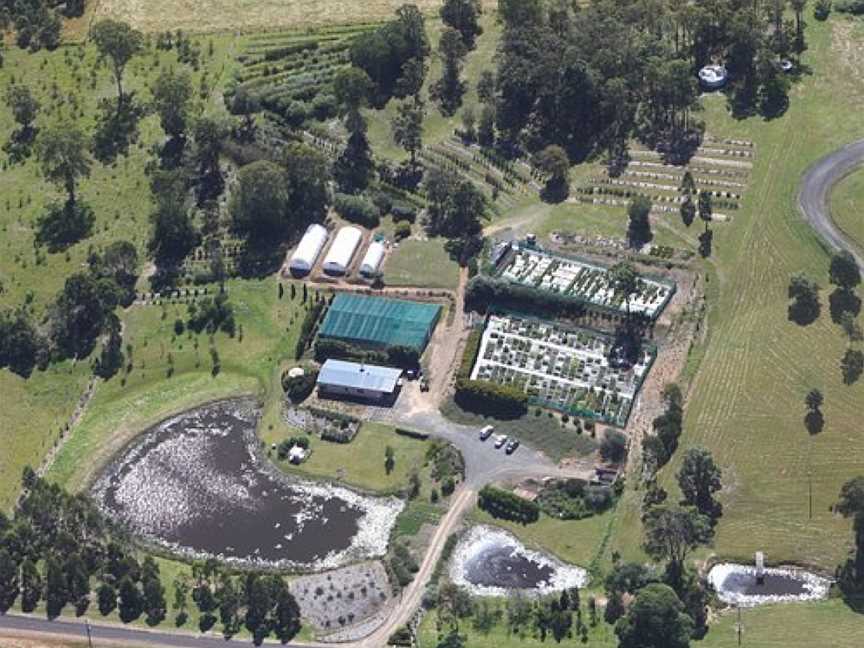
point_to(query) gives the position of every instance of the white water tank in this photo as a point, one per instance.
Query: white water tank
(342, 251)
(713, 77)
(372, 260)
(308, 250)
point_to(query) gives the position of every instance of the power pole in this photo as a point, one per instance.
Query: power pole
(739, 625)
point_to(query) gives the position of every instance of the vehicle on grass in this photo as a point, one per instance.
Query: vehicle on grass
(486, 432)
(500, 440)
(512, 446)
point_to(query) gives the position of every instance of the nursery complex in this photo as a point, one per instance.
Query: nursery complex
(581, 280)
(571, 370)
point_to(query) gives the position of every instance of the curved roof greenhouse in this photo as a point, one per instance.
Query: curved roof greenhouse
(342, 251)
(309, 249)
(372, 261)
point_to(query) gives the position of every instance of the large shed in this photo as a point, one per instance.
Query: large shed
(342, 251)
(377, 322)
(349, 379)
(307, 252)
(372, 261)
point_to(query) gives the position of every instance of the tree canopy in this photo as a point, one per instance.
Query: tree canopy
(656, 619)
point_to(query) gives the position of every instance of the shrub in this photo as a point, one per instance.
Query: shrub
(356, 209)
(403, 212)
(614, 446)
(402, 231)
(507, 506)
(822, 9)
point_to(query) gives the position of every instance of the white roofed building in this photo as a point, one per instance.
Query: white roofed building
(372, 260)
(309, 249)
(342, 251)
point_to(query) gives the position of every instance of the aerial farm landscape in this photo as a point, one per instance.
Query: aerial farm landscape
(435, 324)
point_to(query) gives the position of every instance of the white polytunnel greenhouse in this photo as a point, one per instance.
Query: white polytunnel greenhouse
(372, 261)
(342, 251)
(309, 249)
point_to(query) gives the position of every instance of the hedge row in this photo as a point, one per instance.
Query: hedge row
(397, 356)
(491, 399)
(412, 434)
(507, 506)
(307, 329)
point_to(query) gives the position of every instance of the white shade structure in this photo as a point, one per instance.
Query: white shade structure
(372, 260)
(308, 250)
(342, 251)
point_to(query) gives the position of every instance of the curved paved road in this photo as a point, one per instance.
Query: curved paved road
(815, 192)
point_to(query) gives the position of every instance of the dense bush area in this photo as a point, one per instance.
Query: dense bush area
(507, 506)
(574, 499)
(300, 388)
(483, 292)
(357, 209)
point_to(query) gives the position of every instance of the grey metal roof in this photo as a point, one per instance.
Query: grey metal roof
(339, 373)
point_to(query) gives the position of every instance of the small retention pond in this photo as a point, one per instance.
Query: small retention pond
(197, 485)
(738, 585)
(492, 562)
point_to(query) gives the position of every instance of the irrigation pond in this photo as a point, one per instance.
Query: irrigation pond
(197, 485)
(492, 562)
(739, 585)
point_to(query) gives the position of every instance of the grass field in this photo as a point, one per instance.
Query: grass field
(423, 264)
(847, 206)
(361, 462)
(120, 197)
(248, 15)
(118, 411)
(746, 399)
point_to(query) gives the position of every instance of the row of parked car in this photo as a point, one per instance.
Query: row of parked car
(501, 440)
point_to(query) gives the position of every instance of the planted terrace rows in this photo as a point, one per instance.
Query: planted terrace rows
(720, 167)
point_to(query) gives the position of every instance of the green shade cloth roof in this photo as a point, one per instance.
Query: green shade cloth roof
(377, 321)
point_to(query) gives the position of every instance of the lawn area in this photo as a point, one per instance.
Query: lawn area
(361, 462)
(847, 206)
(128, 404)
(748, 381)
(423, 264)
(580, 542)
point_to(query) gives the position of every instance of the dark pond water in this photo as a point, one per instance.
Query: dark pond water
(196, 484)
(773, 585)
(506, 567)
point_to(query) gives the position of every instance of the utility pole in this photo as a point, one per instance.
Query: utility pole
(739, 625)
